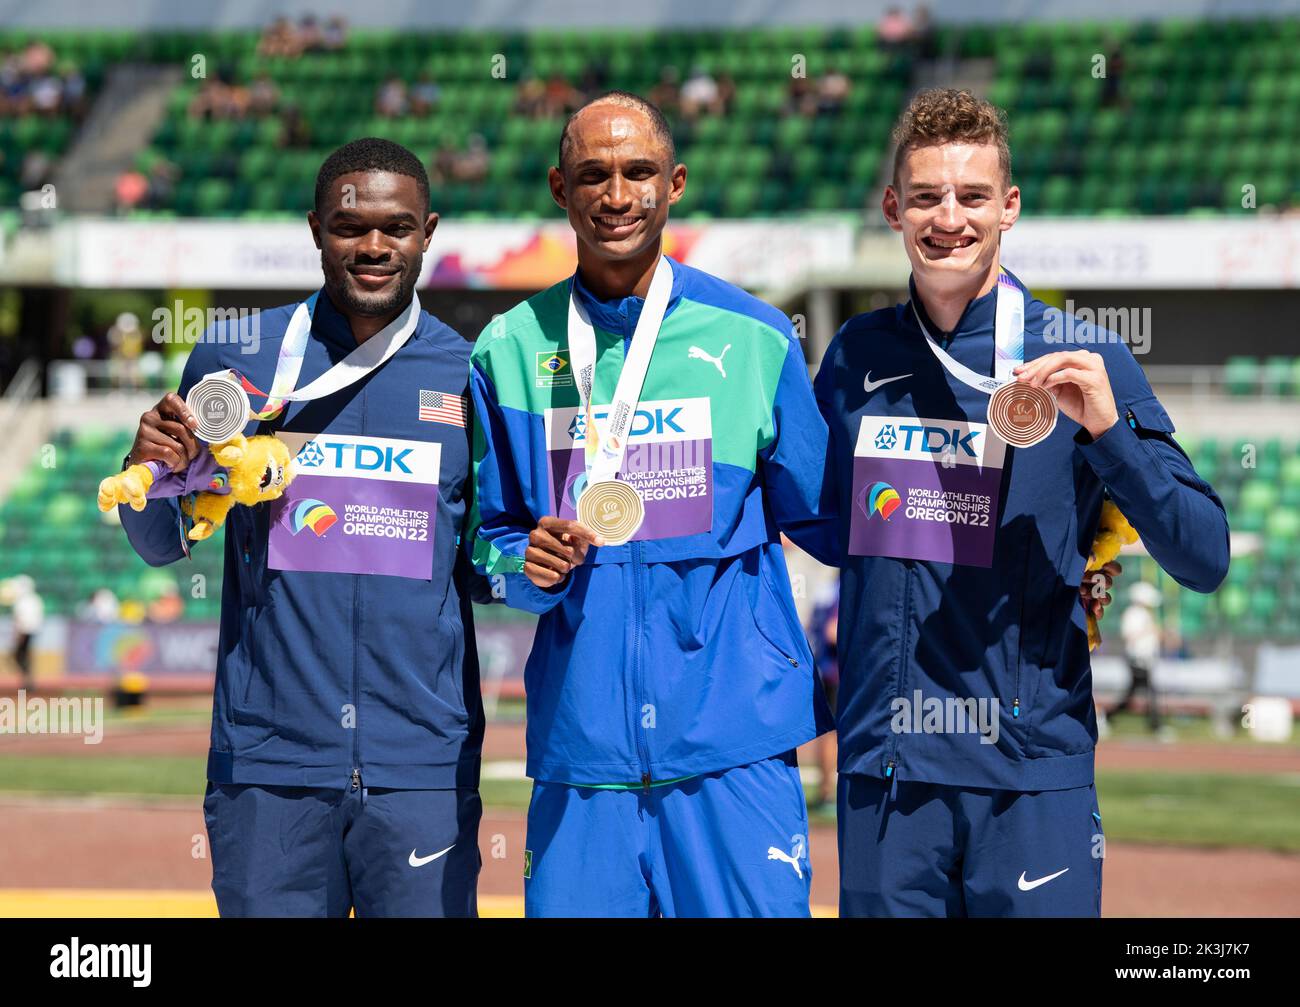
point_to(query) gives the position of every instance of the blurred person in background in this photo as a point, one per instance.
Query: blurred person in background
(824, 632)
(21, 595)
(1140, 628)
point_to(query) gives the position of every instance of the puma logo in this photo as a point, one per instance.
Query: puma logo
(695, 353)
(793, 857)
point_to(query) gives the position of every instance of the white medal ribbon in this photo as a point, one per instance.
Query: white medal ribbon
(607, 444)
(1008, 337)
(367, 357)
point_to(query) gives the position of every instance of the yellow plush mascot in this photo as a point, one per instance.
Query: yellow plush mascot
(243, 470)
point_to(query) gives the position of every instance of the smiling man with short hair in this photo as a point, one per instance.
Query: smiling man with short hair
(347, 724)
(968, 509)
(669, 682)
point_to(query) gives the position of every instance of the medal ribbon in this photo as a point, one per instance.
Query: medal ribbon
(1008, 337)
(367, 357)
(605, 449)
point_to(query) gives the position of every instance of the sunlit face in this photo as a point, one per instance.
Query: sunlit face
(372, 233)
(617, 182)
(951, 205)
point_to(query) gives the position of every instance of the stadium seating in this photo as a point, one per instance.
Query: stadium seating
(1186, 114)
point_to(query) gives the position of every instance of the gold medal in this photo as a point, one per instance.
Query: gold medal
(1022, 414)
(221, 406)
(612, 509)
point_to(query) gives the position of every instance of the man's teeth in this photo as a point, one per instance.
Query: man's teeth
(949, 242)
(617, 221)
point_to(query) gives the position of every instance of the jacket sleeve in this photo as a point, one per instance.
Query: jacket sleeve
(1177, 513)
(500, 520)
(154, 533)
(796, 467)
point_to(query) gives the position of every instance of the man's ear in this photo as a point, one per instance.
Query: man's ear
(313, 222)
(889, 207)
(677, 184)
(556, 180)
(430, 225)
(1011, 209)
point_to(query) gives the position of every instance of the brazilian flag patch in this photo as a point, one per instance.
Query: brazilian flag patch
(553, 369)
(528, 864)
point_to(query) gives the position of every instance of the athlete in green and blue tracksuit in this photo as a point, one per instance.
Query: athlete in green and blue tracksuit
(965, 712)
(669, 682)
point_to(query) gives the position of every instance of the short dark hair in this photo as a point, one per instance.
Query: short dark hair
(371, 153)
(624, 99)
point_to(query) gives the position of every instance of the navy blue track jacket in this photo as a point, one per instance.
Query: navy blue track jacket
(999, 620)
(323, 675)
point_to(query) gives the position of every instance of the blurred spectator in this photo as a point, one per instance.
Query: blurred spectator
(279, 39)
(701, 95)
(1140, 628)
(102, 607)
(667, 94)
(310, 36)
(296, 132)
(390, 102)
(561, 97)
(832, 93)
(472, 165)
(37, 169)
(424, 95)
(162, 184)
(802, 99)
(28, 618)
(925, 38)
(130, 190)
(263, 96)
(335, 35)
(220, 99)
(168, 606)
(126, 344)
(1111, 95)
(824, 631)
(453, 165)
(30, 84)
(894, 29)
(530, 99)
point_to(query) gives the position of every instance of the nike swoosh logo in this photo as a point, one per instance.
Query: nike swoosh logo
(1029, 886)
(871, 386)
(415, 861)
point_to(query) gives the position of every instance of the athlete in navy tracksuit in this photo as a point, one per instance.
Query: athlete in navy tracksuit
(966, 721)
(347, 723)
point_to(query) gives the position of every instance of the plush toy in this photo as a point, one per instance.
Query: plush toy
(1113, 533)
(243, 470)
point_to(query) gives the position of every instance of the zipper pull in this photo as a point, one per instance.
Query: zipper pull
(892, 776)
(645, 782)
(356, 778)
(793, 662)
(1015, 707)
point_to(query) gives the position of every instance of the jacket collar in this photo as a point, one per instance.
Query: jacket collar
(620, 314)
(978, 320)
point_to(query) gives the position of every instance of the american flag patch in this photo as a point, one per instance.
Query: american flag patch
(442, 407)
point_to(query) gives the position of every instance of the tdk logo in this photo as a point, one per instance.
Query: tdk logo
(931, 440)
(311, 456)
(646, 421)
(936, 440)
(367, 457)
